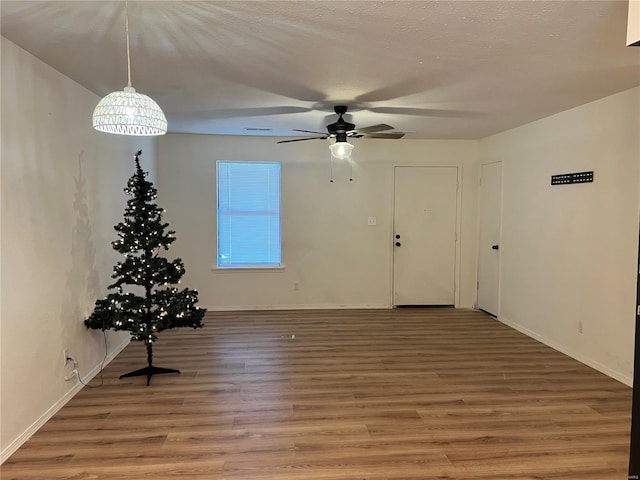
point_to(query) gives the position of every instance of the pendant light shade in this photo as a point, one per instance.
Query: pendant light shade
(341, 150)
(128, 112)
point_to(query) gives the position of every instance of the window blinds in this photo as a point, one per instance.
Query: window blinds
(248, 213)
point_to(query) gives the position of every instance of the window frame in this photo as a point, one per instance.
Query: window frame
(239, 267)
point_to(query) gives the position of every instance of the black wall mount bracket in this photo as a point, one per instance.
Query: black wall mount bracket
(567, 178)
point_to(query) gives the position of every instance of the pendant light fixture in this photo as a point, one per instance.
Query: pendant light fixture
(128, 112)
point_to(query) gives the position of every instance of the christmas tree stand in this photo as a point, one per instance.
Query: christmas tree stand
(149, 370)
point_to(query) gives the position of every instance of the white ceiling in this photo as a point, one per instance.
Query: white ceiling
(441, 69)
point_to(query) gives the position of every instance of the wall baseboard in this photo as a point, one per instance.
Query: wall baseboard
(621, 377)
(234, 308)
(46, 416)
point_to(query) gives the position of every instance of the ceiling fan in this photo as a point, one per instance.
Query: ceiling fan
(341, 129)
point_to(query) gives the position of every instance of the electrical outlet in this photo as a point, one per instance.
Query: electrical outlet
(65, 357)
(296, 285)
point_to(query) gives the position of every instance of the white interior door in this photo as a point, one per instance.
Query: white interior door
(489, 246)
(425, 235)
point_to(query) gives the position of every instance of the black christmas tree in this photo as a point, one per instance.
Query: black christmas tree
(151, 303)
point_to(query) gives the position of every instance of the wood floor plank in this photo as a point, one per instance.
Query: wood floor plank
(340, 395)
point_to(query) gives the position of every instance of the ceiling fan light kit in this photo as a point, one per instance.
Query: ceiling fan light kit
(128, 112)
(341, 150)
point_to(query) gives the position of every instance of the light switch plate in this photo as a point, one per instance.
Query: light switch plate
(372, 221)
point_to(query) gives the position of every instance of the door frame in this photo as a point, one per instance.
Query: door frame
(634, 442)
(456, 262)
(499, 286)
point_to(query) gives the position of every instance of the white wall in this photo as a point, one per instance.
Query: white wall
(569, 252)
(326, 244)
(62, 193)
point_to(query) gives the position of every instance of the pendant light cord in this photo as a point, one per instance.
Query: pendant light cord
(126, 26)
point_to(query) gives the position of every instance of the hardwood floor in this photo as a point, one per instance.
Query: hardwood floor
(367, 394)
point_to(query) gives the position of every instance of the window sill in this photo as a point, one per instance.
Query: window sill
(249, 269)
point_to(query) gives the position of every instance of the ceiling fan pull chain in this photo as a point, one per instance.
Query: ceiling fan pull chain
(331, 168)
(350, 170)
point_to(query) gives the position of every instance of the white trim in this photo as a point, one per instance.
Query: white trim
(458, 260)
(232, 308)
(392, 230)
(621, 377)
(46, 416)
(249, 268)
(479, 227)
(258, 267)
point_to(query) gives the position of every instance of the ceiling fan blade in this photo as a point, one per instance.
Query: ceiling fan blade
(302, 139)
(308, 131)
(375, 128)
(391, 135)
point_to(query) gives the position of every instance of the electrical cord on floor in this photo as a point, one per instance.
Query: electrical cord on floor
(104, 359)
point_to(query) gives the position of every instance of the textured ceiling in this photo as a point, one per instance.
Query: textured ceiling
(439, 69)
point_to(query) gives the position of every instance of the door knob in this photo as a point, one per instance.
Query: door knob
(495, 247)
(398, 244)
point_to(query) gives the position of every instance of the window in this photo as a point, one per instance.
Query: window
(248, 214)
